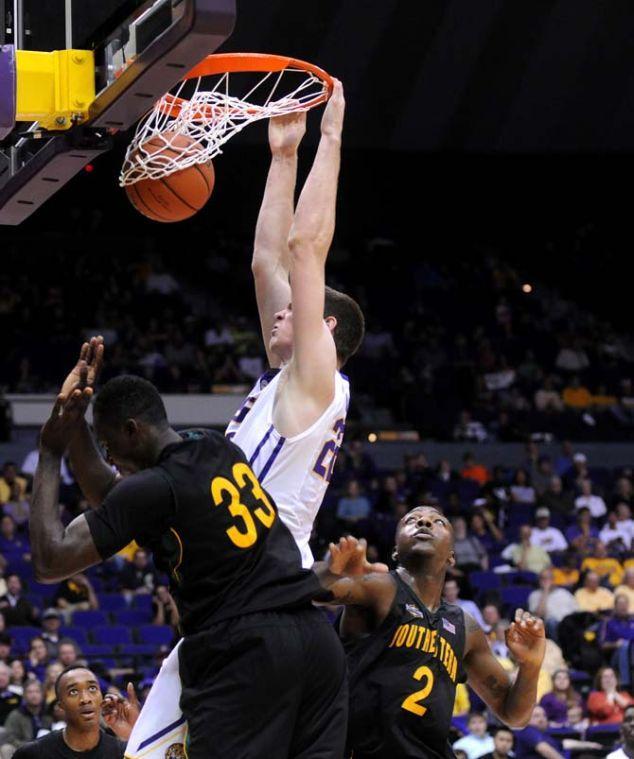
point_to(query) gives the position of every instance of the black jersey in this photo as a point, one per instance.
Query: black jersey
(210, 524)
(53, 746)
(403, 680)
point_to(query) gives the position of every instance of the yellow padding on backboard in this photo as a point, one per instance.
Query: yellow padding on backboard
(54, 89)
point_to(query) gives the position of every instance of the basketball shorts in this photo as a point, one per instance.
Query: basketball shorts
(270, 685)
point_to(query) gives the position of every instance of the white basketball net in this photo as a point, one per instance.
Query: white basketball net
(209, 117)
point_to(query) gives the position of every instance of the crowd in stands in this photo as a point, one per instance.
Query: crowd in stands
(523, 363)
(118, 617)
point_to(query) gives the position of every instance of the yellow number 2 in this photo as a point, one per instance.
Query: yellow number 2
(411, 703)
(245, 533)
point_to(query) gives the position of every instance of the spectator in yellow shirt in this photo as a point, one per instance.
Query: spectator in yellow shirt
(12, 486)
(605, 566)
(576, 396)
(592, 597)
(568, 574)
(627, 588)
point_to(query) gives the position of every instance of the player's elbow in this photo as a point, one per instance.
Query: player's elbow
(515, 721)
(44, 574)
(306, 247)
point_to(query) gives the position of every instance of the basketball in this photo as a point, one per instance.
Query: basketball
(177, 196)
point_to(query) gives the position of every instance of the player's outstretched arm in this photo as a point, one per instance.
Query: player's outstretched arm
(93, 474)
(349, 578)
(314, 359)
(510, 702)
(58, 552)
(271, 255)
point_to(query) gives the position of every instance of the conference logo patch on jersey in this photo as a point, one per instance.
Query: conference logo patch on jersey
(414, 611)
(448, 626)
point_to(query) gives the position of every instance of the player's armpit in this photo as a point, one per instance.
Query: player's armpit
(73, 552)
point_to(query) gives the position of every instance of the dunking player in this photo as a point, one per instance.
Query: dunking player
(408, 648)
(262, 672)
(291, 424)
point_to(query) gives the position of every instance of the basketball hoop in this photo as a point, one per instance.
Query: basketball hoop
(217, 99)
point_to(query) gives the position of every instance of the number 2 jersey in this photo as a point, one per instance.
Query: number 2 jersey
(297, 469)
(212, 527)
(403, 680)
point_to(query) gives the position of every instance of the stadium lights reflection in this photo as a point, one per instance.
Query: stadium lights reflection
(372, 437)
(526, 288)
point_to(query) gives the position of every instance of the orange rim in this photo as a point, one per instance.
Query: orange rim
(230, 63)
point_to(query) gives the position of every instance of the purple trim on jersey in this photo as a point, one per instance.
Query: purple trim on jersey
(260, 444)
(161, 733)
(272, 458)
(268, 376)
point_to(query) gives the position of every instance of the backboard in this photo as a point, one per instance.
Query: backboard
(119, 55)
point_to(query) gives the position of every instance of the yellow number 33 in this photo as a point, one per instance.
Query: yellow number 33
(243, 534)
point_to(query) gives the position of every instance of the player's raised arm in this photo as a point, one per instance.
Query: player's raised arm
(348, 578)
(271, 255)
(314, 359)
(511, 702)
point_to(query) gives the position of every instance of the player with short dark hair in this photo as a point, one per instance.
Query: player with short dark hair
(262, 671)
(409, 649)
(79, 695)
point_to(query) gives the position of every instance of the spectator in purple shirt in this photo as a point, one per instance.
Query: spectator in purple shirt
(560, 699)
(583, 537)
(533, 742)
(618, 634)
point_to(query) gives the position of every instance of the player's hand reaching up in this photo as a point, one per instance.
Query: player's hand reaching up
(286, 132)
(348, 557)
(90, 359)
(67, 412)
(526, 639)
(332, 120)
(120, 714)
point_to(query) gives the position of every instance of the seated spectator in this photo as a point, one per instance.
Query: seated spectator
(359, 462)
(592, 597)
(626, 750)
(623, 491)
(583, 537)
(38, 658)
(617, 635)
(9, 699)
(474, 471)
(27, 722)
(551, 603)
(577, 720)
(609, 570)
(524, 555)
(521, 489)
(51, 623)
(164, 609)
(13, 498)
(18, 676)
(483, 527)
(470, 553)
(53, 671)
(627, 588)
(477, 742)
(624, 519)
(139, 577)
(16, 609)
(607, 703)
(75, 594)
(548, 399)
(469, 430)
(556, 499)
(561, 698)
(576, 396)
(502, 744)
(533, 741)
(462, 702)
(616, 541)
(544, 535)
(451, 594)
(13, 546)
(491, 618)
(353, 506)
(68, 652)
(542, 475)
(567, 575)
(589, 500)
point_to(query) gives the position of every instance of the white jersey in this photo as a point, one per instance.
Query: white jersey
(295, 470)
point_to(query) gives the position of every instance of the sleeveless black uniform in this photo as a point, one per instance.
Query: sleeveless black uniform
(262, 671)
(403, 681)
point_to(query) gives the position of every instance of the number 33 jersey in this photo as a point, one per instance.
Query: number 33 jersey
(403, 681)
(295, 470)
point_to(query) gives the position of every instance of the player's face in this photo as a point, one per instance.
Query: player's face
(80, 698)
(121, 448)
(281, 341)
(424, 531)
